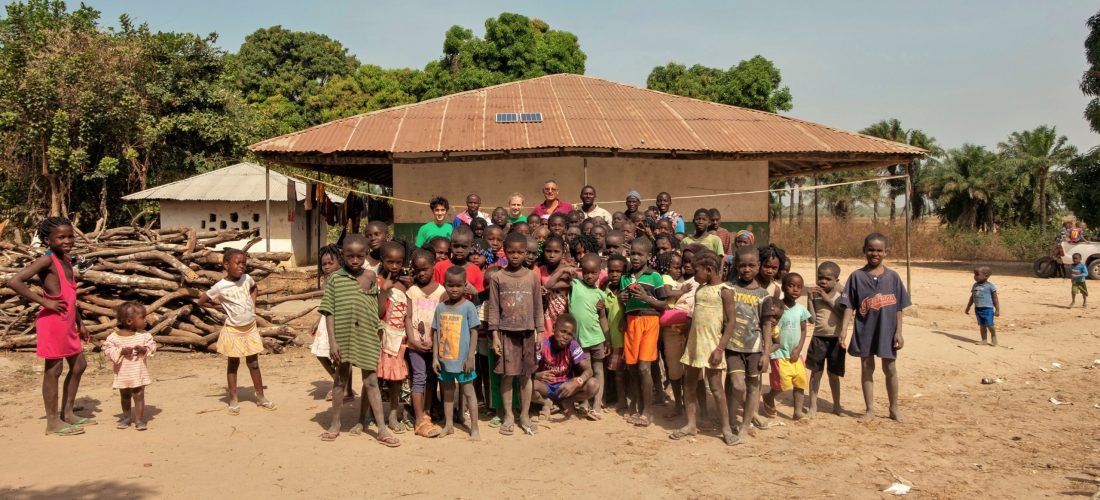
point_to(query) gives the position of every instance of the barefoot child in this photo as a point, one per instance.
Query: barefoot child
(424, 296)
(1078, 274)
(712, 327)
(586, 305)
(564, 374)
(57, 324)
(239, 338)
(675, 322)
(128, 349)
(350, 306)
(745, 349)
(454, 331)
(875, 298)
(329, 263)
(616, 321)
(515, 318)
(787, 370)
(395, 329)
(643, 301)
(825, 352)
(983, 298)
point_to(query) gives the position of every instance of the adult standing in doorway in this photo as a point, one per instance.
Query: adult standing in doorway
(664, 211)
(473, 211)
(589, 206)
(551, 204)
(633, 201)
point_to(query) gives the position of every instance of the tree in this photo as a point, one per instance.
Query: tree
(892, 130)
(962, 187)
(754, 83)
(1090, 81)
(1037, 151)
(1077, 183)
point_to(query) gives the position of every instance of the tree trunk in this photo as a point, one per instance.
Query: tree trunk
(799, 206)
(1043, 198)
(55, 195)
(874, 211)
(103, 200)
(894, 208)
(790, 208)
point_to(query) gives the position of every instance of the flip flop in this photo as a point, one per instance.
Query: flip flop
(141, 426)
(329, 436)
(494, 422)
(731, 440)
(591, 415)
(642, 421)
(85, 421)
(631, 418)
(235, 410)
(397, 429)
(408, 425)
(527, 429)
(679, 434)
(507, 429)
(123, 425)
(266, 404)
(356, 430)
(388, 441)
(328, 397)
(69, 430)
(427, 429)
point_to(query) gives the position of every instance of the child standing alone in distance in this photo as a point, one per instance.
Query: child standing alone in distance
(239, 338)
(983, 298)
(128, 348)
(875, 298)
(1078, 274)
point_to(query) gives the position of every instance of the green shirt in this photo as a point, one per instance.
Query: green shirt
(582, 305)
(431, 230)
(518, 218)
(614, 315)
(653, 285)
(712, 242)
(355, 319)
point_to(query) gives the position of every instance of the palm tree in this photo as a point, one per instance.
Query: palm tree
(1038, 151)
(962, 187)
(892, 130)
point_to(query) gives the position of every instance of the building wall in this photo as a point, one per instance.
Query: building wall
(495, 180)
(298, 237)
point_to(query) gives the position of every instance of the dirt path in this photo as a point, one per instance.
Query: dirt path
(961, 439)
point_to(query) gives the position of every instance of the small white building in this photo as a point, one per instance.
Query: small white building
(234, 198)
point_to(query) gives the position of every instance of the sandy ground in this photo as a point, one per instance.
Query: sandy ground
(961, 438)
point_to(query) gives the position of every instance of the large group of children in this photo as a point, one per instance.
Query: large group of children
(568, 312)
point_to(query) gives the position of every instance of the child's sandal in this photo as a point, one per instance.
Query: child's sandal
(235, 410)
(266, 404)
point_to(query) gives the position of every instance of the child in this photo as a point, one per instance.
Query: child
(555, 276)
(500, 218)
(521, 228)
(440, 247)
(494, 235)
(674, 323)
(534, 251)
(744, 238)
(240, 338)
(478, 226)
(515, 209)
(617, 220)
(377, 233)
(454, 330)
(722, 233)
(541, 233)
(1078, 274)
(711, 328)
(329, 263)
(589, 313)
(128, 349)
(515, 317)
(534, 221)
(58, 324)
(438, 226)
(599, 233)
(746, 345)
(643, 301)
(615, 243)
(557, 223)
(786, 355)
(825, 351)
(771, 260)
(702, 235)
(875, 297)
(424, 296)
(616, 267)
(350, 306)
(560, 358)
(983, 297)
(395, 329)
(461, 240)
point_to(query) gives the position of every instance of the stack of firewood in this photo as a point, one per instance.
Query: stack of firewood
(165, 269)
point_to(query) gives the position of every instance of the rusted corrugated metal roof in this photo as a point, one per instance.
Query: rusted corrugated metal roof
(240, 182)
(577, 112)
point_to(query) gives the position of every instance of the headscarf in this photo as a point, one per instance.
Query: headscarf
(745, 233)
(634, 194)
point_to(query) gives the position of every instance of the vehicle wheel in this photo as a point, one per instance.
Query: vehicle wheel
(1045, 267)
(1094, 268)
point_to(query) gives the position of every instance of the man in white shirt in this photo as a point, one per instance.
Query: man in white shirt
(590, 208)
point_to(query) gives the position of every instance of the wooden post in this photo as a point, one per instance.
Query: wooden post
(817, 234)
(908, 249)
(267, 208)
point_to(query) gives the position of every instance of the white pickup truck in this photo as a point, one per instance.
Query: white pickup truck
(1046, 266)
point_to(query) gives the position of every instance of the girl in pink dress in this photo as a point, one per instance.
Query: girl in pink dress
(396, 279)
(128, 348)
(57, 325)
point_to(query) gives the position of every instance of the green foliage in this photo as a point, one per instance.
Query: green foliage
(1025, 242)
(1034, 153)
(1090, 81)
(892, 130)
(1079, 184)
(754, 83)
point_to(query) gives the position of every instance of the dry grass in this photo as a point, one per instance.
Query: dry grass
(929, 240)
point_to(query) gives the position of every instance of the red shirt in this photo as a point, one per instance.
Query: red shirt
(474, 276)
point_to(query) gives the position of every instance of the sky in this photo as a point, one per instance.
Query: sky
(964, 72)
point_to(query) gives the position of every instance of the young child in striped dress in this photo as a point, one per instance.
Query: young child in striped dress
(128, 348)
